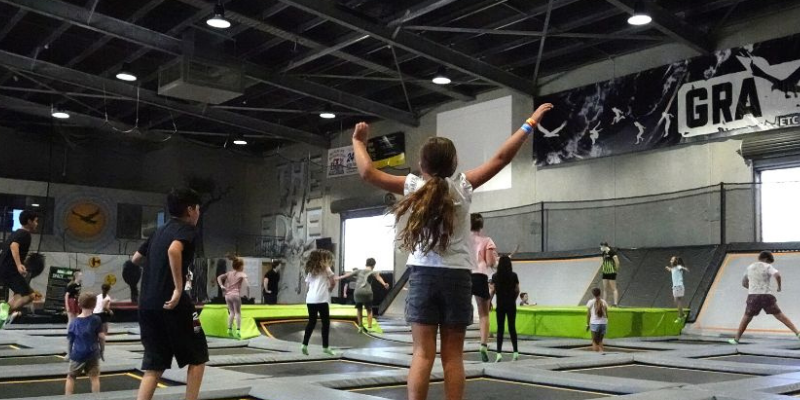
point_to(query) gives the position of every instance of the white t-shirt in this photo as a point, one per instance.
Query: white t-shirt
(460, 254)
(318, 288)
(594, 319)
(677, 275)
(759, 274)
(101, 303)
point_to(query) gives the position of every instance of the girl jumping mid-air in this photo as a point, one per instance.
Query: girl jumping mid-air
(232, 283)
(677, 268)
(436, 231)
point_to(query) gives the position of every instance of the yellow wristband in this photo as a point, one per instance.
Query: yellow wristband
(532, 122)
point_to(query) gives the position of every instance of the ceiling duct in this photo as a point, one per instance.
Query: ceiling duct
(195, 77)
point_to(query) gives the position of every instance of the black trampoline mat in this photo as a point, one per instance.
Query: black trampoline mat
(55, 386)
(753, 359)
(615, 349)
(31, 360)
(308, 368)
(488, 389)
(662, 374)
(123, 342)
(343, 334)
(476, 356)
(696, 341)
(230, 351)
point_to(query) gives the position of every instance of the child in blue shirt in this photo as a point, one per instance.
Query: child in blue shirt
(86, 343)
(677, 268)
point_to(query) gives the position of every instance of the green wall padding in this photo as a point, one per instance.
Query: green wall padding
(570, 322)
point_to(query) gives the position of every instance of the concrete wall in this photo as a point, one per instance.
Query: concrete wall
(652, 172)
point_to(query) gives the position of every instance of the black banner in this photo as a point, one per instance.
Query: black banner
(388, 150)
(734, 91)
(57, 281)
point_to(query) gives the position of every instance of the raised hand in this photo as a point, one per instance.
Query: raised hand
(541, 111)
(361, 132)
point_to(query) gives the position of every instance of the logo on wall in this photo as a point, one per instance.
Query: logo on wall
(385, 151)
(95, 262)
(731, 92)
(110, 279)
(85, 219)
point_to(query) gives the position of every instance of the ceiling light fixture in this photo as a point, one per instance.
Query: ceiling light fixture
(126, 73)
(640, 15)
(218, 20)
(441, 77)
(58, 114)
(239, 140)
(327, 113)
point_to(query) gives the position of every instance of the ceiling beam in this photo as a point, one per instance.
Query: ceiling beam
(415, 44)
(10, 24)
(670, 25)
(168, 44)
(243, 20)
(117, 88)
(538, 34)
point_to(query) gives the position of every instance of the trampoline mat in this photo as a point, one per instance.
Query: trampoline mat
(662, 374)
(753, 359)
(31, 360)
(343, 334)
(696, 341)
(301, 368)
(11, 347)
(476, 356)
(615, 349)
(230, 351)
(123, 342)
(55, 386)
(488, 389)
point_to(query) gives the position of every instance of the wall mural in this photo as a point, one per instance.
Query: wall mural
(733, 91)
(84, 222)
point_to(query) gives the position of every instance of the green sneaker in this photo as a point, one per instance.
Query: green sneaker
(230, 332)
(515, 357)
(484, 353)
(304, 349)
(4, 309)
(237, 335)
(499, 358)
(733, 341)
(329, 351)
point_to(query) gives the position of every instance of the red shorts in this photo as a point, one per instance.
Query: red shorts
(72, 306)
(758, 302)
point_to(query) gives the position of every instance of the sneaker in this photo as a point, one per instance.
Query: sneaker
(679, 320)
(515, 357)
(329, 351)
(484, 353)
(499, 358)
(237, 335)
(13, 316)
(230, 332)
(361, 329)
(733, 341)
(4, 309)
(304, 349)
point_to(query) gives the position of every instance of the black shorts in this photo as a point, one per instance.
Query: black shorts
(610, 277)
(480, 286)
(104, 317)
(17, 283)
(758, 302)
(172, 333)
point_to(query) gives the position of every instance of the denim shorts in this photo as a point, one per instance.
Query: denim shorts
(439, 296)
(599, 328)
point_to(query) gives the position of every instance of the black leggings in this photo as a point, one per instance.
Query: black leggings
(511, 313)
(324, 313)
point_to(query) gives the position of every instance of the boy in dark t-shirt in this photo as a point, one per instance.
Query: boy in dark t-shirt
(86, 340)
(167, 319)
(12, 267)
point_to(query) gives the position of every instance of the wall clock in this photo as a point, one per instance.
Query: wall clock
(86, 219)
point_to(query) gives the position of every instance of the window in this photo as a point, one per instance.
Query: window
(780, 215)
(368, 236)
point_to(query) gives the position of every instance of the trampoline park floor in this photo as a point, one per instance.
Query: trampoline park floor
(343, 334)
(755, 359)
(32, 360)
(614, 349)
(320, 367)
(488, 389)
(662, 374)
(52, 386)
(476, 356)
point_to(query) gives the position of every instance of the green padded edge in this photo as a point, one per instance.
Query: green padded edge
(214, 317)
(570, 322)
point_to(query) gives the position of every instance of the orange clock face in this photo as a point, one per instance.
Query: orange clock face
(86, 220)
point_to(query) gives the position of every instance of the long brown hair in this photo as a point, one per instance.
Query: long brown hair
(237, 263)
(431, 209)
(317, 261)
(599, 307)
